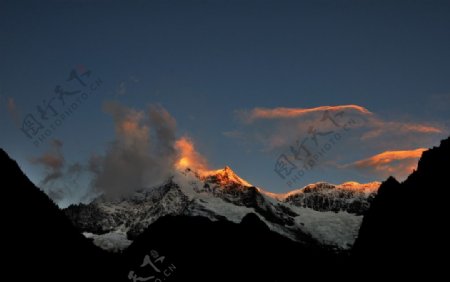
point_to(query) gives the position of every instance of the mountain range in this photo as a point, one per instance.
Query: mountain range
(322, 213)
(218, 227)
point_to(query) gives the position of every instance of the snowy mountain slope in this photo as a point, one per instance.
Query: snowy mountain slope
(221, 194)
(351, 197)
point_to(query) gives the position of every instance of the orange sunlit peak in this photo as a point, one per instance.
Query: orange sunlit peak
(183, 163)
(189, 157)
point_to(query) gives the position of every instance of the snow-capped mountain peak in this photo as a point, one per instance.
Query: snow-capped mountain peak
(363, 187)
(321, 212)
(224, 177)
(325, 187)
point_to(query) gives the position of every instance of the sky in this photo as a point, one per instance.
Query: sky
(105, 94)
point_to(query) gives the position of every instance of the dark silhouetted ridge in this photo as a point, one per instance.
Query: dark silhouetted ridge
(42, 244)
(205, 250)
(404, 231)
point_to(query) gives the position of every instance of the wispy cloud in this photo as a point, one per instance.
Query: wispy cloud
(279, 130)
(398, 163)
(289, 113)
(61, 180)
(52, 161)
(123, 87)
(13, 111)
(142, 154)
(378, 127)
(189, 157)
(282, 126)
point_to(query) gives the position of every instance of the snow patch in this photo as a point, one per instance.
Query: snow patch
(331, 228)
(112, 241)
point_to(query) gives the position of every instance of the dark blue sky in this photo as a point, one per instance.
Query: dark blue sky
(204, 61)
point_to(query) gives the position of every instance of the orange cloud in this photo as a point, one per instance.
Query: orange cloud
(130, 125)
(189, 157)
(397, 163)
(52, 161)
(11, 104)
(421, 128)
(286, 113)
(13, 111)
(141, 155)
(380, 127)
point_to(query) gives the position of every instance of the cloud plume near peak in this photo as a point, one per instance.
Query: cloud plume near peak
(142, 154)
(189, 157)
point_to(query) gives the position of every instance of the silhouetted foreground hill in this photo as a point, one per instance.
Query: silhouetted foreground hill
(202, 250)
(404, 231)
(40, 242)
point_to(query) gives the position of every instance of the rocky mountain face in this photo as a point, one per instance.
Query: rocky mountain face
(321, 213)
(351, 197)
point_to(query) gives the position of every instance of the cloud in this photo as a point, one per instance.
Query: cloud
(122, 88)
(289, 113)
(420, 128)
(350, 130)
(61, 181)
(13, 111)
(134, 79)
(283, 126)
(11, 105)
(189, 157)
(398, 163)
(52, 161)
(142, 154)
(378, 128)
(279, 128)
